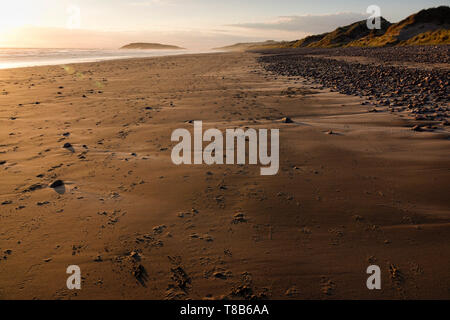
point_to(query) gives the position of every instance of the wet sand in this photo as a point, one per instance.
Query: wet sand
(372, 192)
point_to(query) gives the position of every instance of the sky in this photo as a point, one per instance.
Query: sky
(195, 24)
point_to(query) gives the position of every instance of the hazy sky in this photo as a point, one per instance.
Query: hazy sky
(190, 23)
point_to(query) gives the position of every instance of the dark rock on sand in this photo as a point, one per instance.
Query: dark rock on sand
(56, 184)
(239, 217)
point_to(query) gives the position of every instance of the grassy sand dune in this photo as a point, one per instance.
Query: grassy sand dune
(427, 27)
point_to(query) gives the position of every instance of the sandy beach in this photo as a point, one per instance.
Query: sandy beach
(355, 188)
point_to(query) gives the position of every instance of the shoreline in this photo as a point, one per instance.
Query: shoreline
(371, 192)
(103, 59)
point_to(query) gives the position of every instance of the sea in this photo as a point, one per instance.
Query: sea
(18, 58)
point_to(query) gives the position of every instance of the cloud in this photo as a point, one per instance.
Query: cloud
(306, 23)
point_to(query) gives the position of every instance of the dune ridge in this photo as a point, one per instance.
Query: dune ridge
(426, 27)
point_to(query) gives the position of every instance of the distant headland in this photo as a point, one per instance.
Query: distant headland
(151, 46)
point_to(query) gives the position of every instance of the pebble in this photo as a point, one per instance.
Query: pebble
(56, 184)
(421, 92)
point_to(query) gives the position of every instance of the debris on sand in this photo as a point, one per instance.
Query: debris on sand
(140, 273)
(180, 277)
(287, 120)
(207, 238)
(238, 218)
(327, 286)
(396, 275)
(67, 145)
(135, 255)
(223, 275)
(180, 285)
(291, 292)
(245, 289)
(159, 229)
(33, 187)
(2, 162)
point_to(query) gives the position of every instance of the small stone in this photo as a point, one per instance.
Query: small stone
(159, 229)
(292, 292)
(219, 275)
(239, 217)
(135, 255)
(56, 184)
